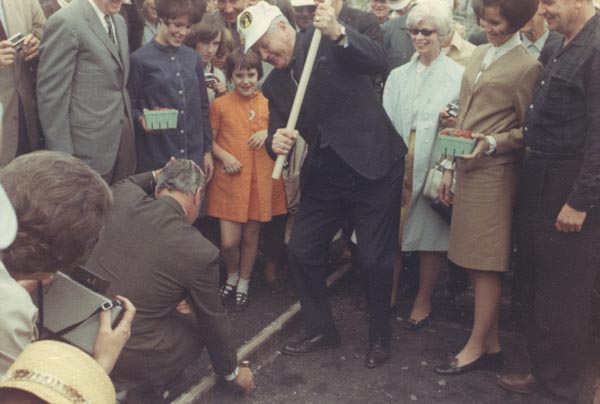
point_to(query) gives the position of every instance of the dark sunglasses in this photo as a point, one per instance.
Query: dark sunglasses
(302, 9)
(424, 32)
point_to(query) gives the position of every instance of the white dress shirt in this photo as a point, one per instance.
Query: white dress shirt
(496, 52)
(101, 15)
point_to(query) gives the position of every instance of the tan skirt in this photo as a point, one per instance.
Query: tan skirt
(407, 185)
(480, 234)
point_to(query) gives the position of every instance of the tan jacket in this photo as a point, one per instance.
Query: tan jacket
(497, 103)
(460, 49)
(17, 80)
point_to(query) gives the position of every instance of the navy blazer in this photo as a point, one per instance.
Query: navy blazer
(340, 108)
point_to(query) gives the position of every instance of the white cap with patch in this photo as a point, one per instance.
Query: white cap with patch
(398, 4)
(302, 3)
(254, 22)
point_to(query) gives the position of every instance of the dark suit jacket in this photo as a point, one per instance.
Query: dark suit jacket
(151, 255)
(340, 107)
(361, 21)
(135, 25)
(367, 24)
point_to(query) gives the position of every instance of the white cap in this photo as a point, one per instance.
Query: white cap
(8, 221)
(254, 21)
(301, 3)
(398, 4)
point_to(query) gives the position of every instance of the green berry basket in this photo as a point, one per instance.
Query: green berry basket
(455, 146)
(161, 119)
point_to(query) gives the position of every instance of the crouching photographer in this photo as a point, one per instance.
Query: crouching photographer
(59, 207)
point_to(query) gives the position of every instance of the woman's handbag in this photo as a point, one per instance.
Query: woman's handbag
(431, 192)
(432, 182)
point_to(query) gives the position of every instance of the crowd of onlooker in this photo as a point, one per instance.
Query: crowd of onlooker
(162, 101)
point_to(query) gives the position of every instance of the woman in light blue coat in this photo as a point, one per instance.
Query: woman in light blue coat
(414, 96)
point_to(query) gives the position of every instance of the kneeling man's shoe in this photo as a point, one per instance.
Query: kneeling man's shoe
(519, 383)
(378, 355)
(319, 342)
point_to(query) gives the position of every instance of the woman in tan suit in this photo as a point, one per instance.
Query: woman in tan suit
(496, 91)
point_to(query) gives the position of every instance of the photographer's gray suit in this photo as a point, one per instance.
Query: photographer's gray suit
(82, 95)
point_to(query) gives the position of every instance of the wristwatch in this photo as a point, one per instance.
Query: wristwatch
(492, 148)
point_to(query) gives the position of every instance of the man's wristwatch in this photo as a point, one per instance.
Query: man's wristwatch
(492, 148)
(231, 377)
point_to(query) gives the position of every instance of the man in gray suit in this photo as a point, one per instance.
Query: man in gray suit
(82, 95)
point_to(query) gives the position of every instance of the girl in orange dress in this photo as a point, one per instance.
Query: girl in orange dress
(241, 193)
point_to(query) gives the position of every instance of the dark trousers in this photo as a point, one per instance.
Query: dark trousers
(162, 364)
(125, 162)
(560, 269)
(333, 195)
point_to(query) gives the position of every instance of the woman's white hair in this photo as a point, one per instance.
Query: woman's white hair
(435, 11)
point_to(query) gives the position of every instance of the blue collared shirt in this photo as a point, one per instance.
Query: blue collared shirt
(167, 77)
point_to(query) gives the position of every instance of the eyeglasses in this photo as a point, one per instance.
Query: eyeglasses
(424, 32)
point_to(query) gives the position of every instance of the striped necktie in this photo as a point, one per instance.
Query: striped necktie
(111, 33)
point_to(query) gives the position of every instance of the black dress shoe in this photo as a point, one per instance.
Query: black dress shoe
(320, 342)
(414, 325)
(452, 369)
(378, 355)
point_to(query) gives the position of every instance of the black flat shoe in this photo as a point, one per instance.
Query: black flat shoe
(378, 355)
(414, 325)
(226, 292)
(452, 369)
(320, 342)
(241, 301)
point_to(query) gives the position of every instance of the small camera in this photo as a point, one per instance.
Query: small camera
(210, 79)
(17, 41)
(452, 109)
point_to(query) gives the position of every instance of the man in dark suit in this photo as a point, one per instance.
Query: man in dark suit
(354, 167)
(82, 95)
(150, 252)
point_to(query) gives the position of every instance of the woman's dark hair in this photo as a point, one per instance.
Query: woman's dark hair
(205, 31)
(516, 12)
(249, 60)
(60, 204)
(286, 9)
(171, 9)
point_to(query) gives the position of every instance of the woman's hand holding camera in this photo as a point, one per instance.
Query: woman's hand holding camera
(447, 121)
(8, 54)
